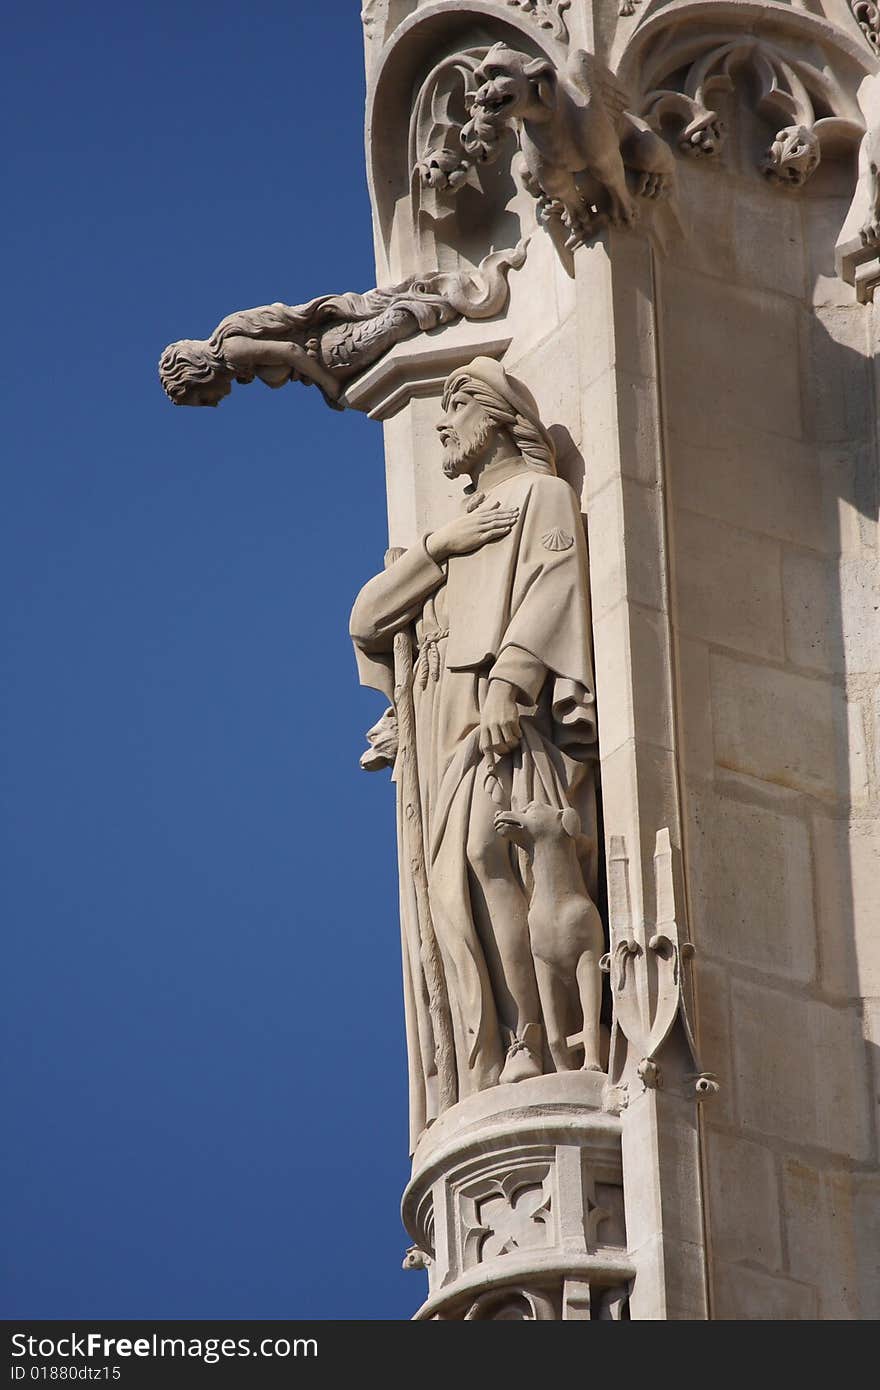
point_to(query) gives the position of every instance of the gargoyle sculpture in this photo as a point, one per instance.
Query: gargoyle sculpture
(330, 340)
(578, 139)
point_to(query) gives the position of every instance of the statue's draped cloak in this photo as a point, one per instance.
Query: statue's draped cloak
(517, 609)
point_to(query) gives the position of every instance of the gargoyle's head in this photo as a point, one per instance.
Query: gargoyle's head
(793, 157)
(513, 85)
(193, 373)
(416, 1258)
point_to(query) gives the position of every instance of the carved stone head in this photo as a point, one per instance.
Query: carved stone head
(513, 85)
(793, 157)
(480, 401)
(193, 373)
(466, 429)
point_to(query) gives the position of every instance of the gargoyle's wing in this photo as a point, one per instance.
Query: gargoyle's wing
(591, 76)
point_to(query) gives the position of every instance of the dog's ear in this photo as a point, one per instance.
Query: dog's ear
(571, 822)
(542, 75)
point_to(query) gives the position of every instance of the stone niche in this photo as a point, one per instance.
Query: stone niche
(433, 205)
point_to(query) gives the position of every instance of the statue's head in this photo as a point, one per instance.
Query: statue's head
(513, 85)
(479, 402)
(194, 373)
(466, 428)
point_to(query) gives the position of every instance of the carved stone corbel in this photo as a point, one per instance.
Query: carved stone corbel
(701, 129)
(416, 1258)
(789, 91)
(652, 987)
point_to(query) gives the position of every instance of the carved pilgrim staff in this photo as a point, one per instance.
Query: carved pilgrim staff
(412, 833)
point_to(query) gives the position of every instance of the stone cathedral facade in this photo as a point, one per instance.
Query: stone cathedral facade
(622, 347)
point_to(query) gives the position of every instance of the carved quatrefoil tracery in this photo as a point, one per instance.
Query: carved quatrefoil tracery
(507, 1212)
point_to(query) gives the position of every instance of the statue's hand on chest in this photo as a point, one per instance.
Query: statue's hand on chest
(472, 530)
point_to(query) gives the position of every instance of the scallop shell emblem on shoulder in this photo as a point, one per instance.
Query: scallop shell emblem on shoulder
(557, 539)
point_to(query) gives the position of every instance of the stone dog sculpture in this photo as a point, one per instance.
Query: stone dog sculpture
(578, 139)
(495, 607)
(330, 340)
(565, 928)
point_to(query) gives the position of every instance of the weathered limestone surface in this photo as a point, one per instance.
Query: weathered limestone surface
(777, 665)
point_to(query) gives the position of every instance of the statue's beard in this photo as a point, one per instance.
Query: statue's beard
(460, 455)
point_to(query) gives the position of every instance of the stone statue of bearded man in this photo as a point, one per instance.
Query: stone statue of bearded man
(496, 603)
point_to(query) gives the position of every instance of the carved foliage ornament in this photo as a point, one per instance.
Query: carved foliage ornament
(547, 14)
(867, 16)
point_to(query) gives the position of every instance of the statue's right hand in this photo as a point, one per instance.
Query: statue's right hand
(470, 531)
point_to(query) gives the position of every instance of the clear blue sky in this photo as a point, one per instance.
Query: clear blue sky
(207, 1112)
